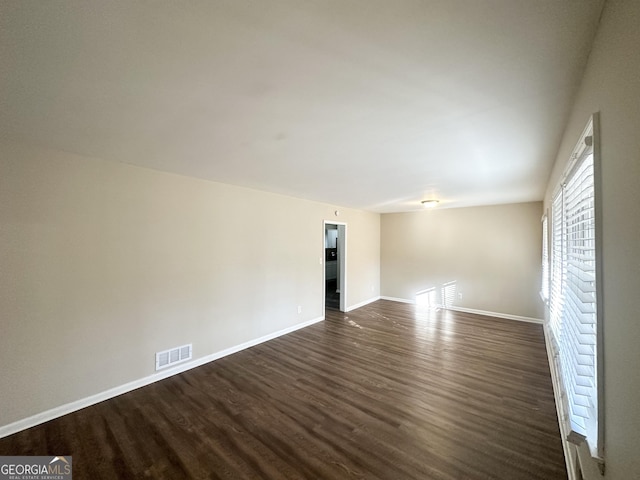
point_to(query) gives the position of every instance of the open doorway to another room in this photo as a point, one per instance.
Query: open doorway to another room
(334, 263)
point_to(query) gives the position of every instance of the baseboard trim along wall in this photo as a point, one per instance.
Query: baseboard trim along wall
(396, 299)
(508, 316)
(362, 304)
(487, 313)
(56, 412)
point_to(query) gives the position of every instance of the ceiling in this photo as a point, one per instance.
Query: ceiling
(371, 104)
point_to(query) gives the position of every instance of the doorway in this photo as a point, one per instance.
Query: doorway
(335, 266)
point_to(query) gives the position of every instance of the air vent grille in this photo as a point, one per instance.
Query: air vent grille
(172, 356)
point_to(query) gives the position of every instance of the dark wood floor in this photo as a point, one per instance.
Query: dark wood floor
(383, 392)
(331, 295)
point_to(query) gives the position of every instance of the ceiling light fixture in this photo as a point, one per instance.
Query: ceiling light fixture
(430, 203)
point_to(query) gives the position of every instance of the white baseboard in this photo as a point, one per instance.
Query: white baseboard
(497, 314)
(473, 310)
(362, 304)
(396, 299)
(56, 412)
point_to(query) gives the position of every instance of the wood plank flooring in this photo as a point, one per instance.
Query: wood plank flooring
(331, 295)
(383, 392)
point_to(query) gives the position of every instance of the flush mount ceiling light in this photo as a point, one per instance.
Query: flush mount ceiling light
(430, 203)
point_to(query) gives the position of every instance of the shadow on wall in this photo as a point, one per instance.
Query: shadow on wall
(442, 296)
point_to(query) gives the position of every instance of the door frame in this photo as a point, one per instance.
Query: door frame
(342, 264)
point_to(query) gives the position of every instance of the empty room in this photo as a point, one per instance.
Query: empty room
(355, 239)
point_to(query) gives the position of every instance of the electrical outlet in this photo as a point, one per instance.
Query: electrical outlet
(460, 296)
(299, 308)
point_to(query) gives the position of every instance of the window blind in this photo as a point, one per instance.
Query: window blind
(544, 290)
(578, 323)
(573, 313)
(557, 269)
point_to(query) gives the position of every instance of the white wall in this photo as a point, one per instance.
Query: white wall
(103, 264)
(611, 86)
(491, 253)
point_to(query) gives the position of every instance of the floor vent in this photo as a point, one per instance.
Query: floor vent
(175, 355)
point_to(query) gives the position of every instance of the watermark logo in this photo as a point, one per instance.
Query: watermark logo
(36, 468)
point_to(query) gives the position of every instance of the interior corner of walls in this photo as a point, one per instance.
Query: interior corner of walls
(362, 304)
(475, 247)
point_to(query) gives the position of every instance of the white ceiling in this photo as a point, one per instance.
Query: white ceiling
(373, 104)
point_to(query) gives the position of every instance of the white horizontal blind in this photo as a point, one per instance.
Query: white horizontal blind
(578, 330)
(545, 258)
(573, 313)
(557, 268)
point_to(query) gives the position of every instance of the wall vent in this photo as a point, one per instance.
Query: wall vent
(172, 356)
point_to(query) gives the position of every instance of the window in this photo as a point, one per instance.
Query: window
(557, 259)
(544, 290)
(573, 293)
